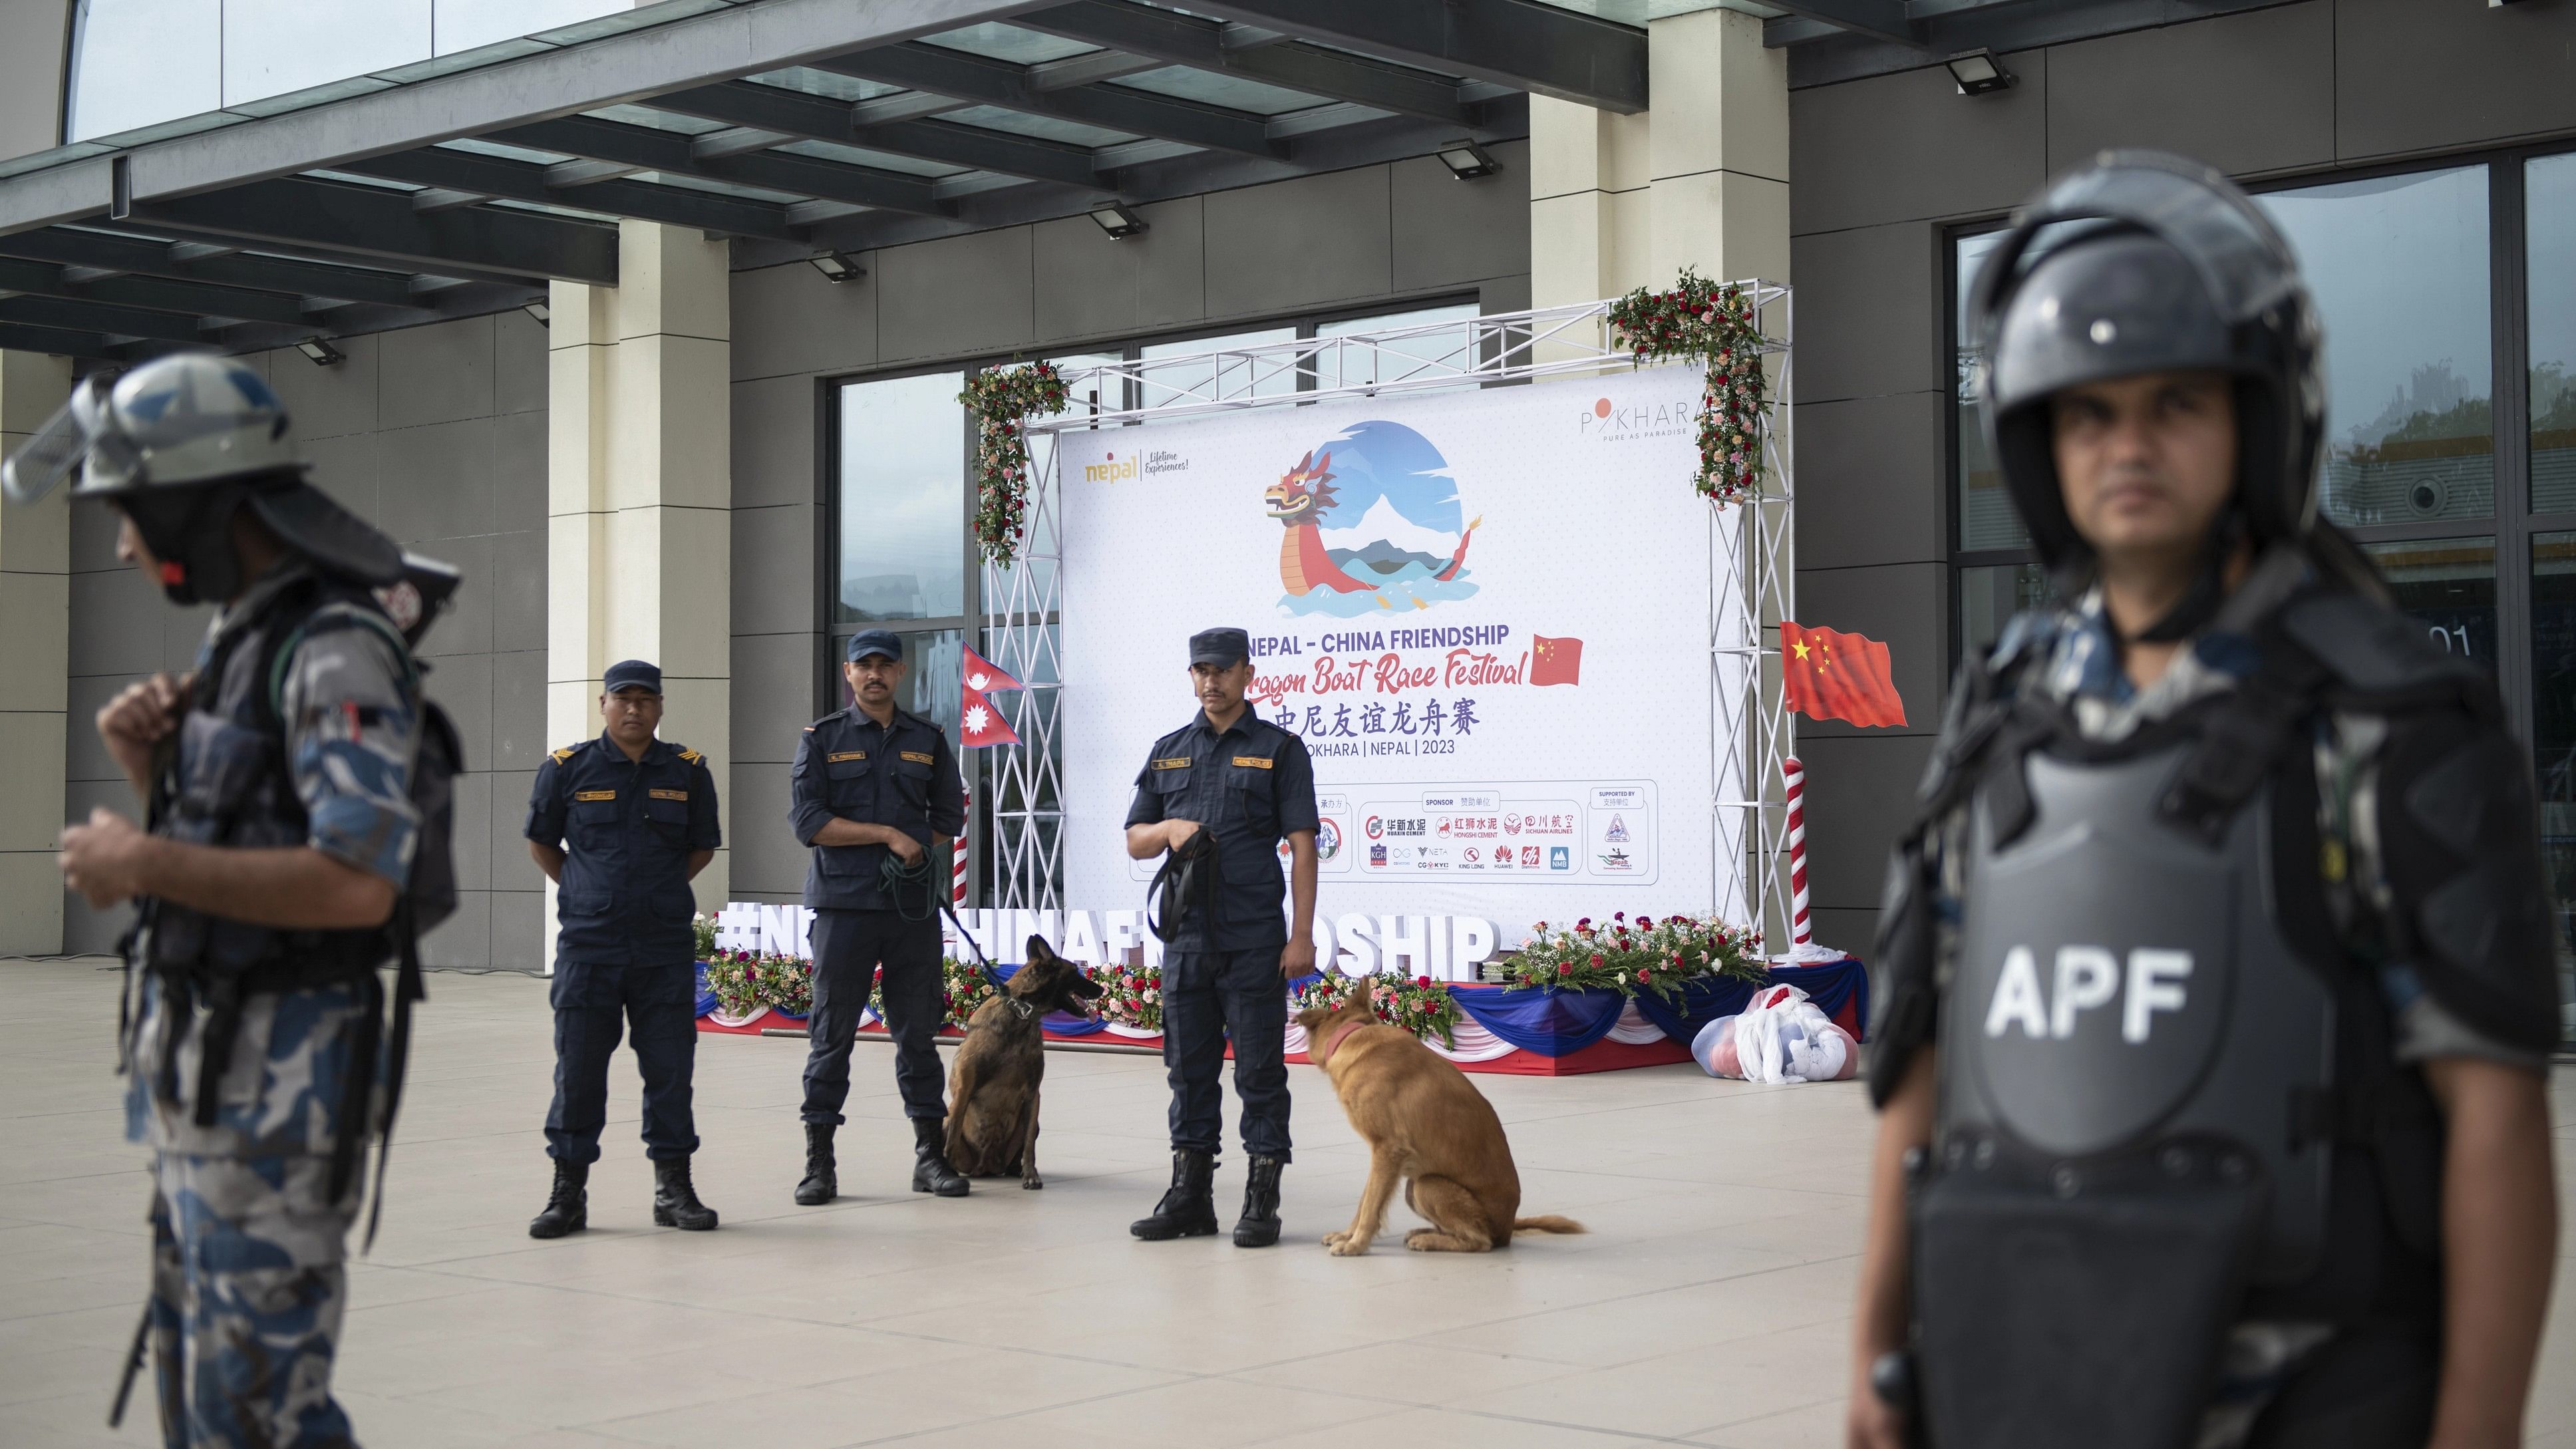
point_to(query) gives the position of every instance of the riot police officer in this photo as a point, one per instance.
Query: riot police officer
(621, 824)
(273, 879)
(2217, 986)
(874, 790)
(1215, 798)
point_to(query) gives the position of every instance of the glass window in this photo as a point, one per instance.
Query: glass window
(903, 499)
(275, 46)
(139, 62)
(1430, 354)
(1990, 595)
(2549, 212)
(2447, 584)
(1203, 379)
(466, 24)
(2398, 266)
(1986, 516)
(2553, 740)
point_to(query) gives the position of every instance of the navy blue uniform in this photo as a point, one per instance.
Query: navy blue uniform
(1250, 787)
(901, 774)
(625, 953)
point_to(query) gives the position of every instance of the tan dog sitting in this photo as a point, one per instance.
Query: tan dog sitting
(993, 1084)
(1426, 1125)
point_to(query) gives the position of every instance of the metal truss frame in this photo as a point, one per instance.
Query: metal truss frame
(1754, 543)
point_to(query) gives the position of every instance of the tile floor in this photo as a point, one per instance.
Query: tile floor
(1707, 1307)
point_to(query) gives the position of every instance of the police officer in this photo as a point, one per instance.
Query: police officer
(1226, 788)
(2217, 987)
(621, 824)
(875, 792)
(282, 836)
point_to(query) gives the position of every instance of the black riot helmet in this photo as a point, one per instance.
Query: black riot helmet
(2139, 262)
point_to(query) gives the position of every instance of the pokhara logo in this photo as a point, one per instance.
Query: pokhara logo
(1607, 422)
(1373, 522)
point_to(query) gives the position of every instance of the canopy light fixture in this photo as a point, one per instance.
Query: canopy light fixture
(543, 313)
(1118, 221)
(1978, 72)
(1466, 160)
(319, 352)
(838, 267)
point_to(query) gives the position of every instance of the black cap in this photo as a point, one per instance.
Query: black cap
(634, 674)
(874, 641)
(1222, 647)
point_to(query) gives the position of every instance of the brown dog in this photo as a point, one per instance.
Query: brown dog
(1425, 1124)
(993, 1084)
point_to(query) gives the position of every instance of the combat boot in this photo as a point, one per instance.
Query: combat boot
(1259, 1225)
(675, 1201)
(1188, 1209)
(821, 1183)
(930, 1169)
(568, 1206)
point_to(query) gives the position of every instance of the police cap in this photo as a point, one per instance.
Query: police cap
(634, 674)
(875, 641)
(1224, 648)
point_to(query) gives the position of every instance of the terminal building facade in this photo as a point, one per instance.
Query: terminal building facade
(653, 319)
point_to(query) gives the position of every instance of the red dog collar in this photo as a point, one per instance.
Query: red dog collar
(1333, 1043)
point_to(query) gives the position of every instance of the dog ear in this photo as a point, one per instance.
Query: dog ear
(1368, 988)
(1038, 950)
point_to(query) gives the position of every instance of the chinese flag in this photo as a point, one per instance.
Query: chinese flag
(1555, 661)
(983, 678)
(979, 724)
(1833, 675)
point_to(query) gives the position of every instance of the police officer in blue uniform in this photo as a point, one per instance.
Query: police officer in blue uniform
(1216, 797)
(621, 824)
(875, 793)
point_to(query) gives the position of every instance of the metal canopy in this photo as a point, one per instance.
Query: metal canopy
(793, 127)
(1839, 40)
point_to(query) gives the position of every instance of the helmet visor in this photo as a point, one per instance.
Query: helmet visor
(57, 448)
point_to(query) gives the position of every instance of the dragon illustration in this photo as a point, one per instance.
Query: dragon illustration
(1299, 500)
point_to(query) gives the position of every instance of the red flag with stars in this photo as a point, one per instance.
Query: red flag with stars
(1832, 675)
(978, 723)
(1555, 661)
(983, 678)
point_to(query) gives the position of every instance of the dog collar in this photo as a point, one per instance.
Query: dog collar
(1022, 1008)
(1333, 1043)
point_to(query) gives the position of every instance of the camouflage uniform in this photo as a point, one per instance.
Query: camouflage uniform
(248, 1282)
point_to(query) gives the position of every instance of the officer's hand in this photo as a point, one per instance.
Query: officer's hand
(1297, 958)
(140, 717)
(1177, 832)
(905, 848)
(1871, 1423)
(104, 859)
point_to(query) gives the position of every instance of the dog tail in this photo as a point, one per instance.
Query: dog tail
(1551, 1223)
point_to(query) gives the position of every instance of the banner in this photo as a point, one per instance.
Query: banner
(1486, 612)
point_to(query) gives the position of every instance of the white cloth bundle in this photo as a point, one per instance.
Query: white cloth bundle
(1779, 1037)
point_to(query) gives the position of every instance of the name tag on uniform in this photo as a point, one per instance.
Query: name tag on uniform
(845, 755)
(1177, 762)
(918, 758)
(594, 794)
(670, 794)
(1255, 761)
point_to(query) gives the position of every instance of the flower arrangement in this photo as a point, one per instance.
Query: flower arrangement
(1421, 1006)
(703, 926)
(1715, 324)
(737, 980)
(1129, 995)
(1661, 956)
(963, 986)
(1002, 400)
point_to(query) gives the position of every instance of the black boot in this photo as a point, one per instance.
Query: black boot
(1259, 1225)
(821, 1183)
(930, 1169)
(675, 1201)
(1188, 1209)
(568, 1206)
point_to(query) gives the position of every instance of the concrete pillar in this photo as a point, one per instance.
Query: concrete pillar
(35, 653)
(640, 492)
(1702, 179)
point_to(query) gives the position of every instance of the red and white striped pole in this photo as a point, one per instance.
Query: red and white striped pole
(1801, 935)
(957, 870)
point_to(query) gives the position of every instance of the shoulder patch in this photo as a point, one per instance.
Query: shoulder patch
(562, 755)
(692, 756)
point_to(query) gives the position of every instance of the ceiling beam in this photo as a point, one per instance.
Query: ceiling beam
(744, 103)
(527, 181)
(983, 81)
(16, 337)
(1877, 19)
(1544, 49)
(652, 150)
(188, 299)
(1176, 39)
(239, 269)
(476, 241)
(85, 316)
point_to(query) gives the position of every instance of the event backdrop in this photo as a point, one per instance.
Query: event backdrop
(1485, 611)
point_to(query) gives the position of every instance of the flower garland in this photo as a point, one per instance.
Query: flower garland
(1700, 319)
(1421, 1006)
(1002, 400)
(1129, 995)
(745, 980)
(1644, 955)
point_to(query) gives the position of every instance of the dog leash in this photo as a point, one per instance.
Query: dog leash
(1023, 1009)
